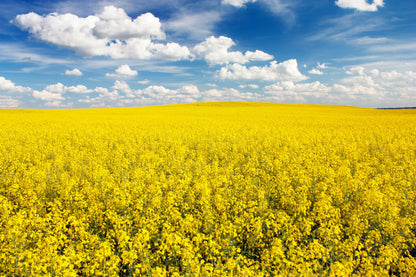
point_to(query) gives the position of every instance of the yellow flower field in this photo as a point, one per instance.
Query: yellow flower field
(208, 189)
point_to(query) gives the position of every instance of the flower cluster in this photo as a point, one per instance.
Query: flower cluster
(213, 189)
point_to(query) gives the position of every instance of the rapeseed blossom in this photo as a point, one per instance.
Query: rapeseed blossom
(212, 189)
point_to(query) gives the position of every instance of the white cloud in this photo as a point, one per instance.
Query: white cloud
(322, 66)
(253, 86)
(124, 87)
(57, 88)
(366, 87)
(215, 51)
(171, 51)
(287, 70)
(73, 72)
(359, 70)
(47, 95)
(361, 5)
(114, 23)
(384, 81)
(289, 87)
(190, 89)
(58, 103)
(143, 82)
(7, 86)
(112, 33)
(236, 3)
(54, 93)
(366, 40)
(123, 95)
(257, 56)
(123, 71)
(348, 28)
(316, 71)
(78, 89)
(7, 102)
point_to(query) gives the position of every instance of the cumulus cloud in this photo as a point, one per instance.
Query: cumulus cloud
(78, 89)
(53, 94)
(357, 70)
(291, 88)
(362, 85)
(111, 33)
(237, 3)
(215, 50)
(123, 87)
(47, 95)
(381, 80)
(288, 91)
(7, 102)
(361, 5)
(315, 71)
(7, 86)
(287, 70)
(124, 95)
(373, 87)
(123, 71)
(114, 23)
(171, 51)
(322, 66)
(73, 72)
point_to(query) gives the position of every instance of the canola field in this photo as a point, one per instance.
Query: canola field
(208, 189)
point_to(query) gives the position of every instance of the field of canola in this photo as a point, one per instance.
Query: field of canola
(211, 189)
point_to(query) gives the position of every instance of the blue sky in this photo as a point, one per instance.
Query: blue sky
(80, 54)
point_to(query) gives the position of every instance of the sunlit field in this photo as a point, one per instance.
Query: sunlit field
(209, 189)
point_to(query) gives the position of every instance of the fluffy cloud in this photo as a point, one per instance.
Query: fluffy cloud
(114, 23)
(237, 3)
(73, 72)
(7, 102)
(53, 94)
(373, 87)
(123, 71)
(78, 89)
(46, 95)
(360, 5)
(123, 87)
(215, 51)
(322, 66)
(123, 95)
(357, 70)
(362, 85)
(291, 88)
(401, 83)
(171, 51)
(112, 33)
(7, 86)
(287, 70)
(315, 71)
(105, 96)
